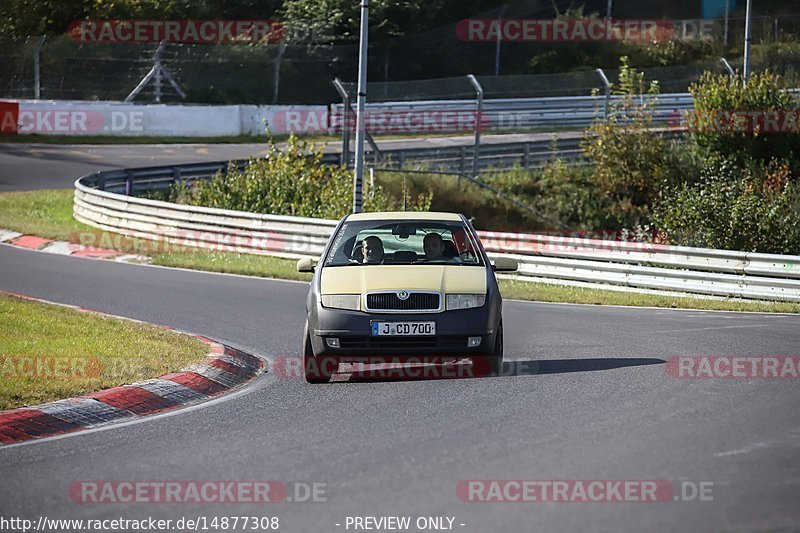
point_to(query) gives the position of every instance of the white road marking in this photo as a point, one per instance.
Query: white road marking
(711, 328)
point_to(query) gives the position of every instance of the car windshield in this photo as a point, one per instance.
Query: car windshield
(406, 242)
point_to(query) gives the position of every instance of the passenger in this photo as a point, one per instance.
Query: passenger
(433, 246)
(372, 248)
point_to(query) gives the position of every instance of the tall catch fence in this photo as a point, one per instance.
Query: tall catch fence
(300, 73)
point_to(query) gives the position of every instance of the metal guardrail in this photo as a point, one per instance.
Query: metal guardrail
(459, 159)
(500, 115)
(602, 263)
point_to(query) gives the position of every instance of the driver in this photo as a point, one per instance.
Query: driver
(372, 248)
(433, 246)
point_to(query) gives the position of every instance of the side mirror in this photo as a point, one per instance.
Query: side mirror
(505, 264)
(305, 264)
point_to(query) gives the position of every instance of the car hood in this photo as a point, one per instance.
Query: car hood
(445, 278)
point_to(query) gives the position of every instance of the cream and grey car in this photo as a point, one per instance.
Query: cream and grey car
(402, 284)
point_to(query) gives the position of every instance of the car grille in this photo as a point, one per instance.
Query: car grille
(416, 301)
(402, 342)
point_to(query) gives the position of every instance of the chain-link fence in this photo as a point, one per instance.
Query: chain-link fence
(302, 74)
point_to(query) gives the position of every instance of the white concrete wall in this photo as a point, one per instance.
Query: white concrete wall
(122, 119)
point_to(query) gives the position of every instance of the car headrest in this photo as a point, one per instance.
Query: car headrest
(449, 249)
(403, 256)
(358, 253)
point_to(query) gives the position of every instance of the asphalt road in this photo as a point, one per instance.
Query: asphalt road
(591, 400)
(43, 166)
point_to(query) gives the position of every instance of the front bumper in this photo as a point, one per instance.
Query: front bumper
(353, 329)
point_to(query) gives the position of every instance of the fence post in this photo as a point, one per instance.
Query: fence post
(725, 25)
(607, 86)
(499, 40)
(337, 83)
(156, 74)
(277, 72)
(37, 66)
(479, 104)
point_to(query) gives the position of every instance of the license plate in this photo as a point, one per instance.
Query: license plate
(403, 328)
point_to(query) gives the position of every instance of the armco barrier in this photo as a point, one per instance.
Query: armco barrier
(527, 114)
(640, 266)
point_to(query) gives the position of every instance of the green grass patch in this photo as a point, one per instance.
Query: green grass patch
(233, 263)
(49, 214)
(46, 213)
(544, 292)
(49, 352)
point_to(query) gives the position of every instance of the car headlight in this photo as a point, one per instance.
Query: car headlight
(465, 301)
(342, 301)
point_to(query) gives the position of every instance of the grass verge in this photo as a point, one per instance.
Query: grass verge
(49, 352)
(49, 214)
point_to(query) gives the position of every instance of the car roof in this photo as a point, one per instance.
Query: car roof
(405, 215)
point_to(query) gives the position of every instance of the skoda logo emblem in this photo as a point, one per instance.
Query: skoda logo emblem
(403, 295)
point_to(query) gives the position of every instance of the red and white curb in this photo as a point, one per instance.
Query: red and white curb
(31, 242)
(223, 369)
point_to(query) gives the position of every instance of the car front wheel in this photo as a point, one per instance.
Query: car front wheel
(496, 361)
(313, 369)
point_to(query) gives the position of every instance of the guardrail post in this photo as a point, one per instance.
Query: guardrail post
(337, 83)
(176, 175)
(727, 66)
(401, 156)
(462, 160)
(607, 86)
(479, 105)
(526, 155)
(128, 183)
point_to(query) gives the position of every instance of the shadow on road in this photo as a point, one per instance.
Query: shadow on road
(564, 366)
(466, 370)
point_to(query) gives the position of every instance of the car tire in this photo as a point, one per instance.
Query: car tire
(496, 360)
(312, 369)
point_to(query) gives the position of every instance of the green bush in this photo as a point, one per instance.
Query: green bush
(291, 181)
(717, 95)
(629, 159)
(735, 208)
